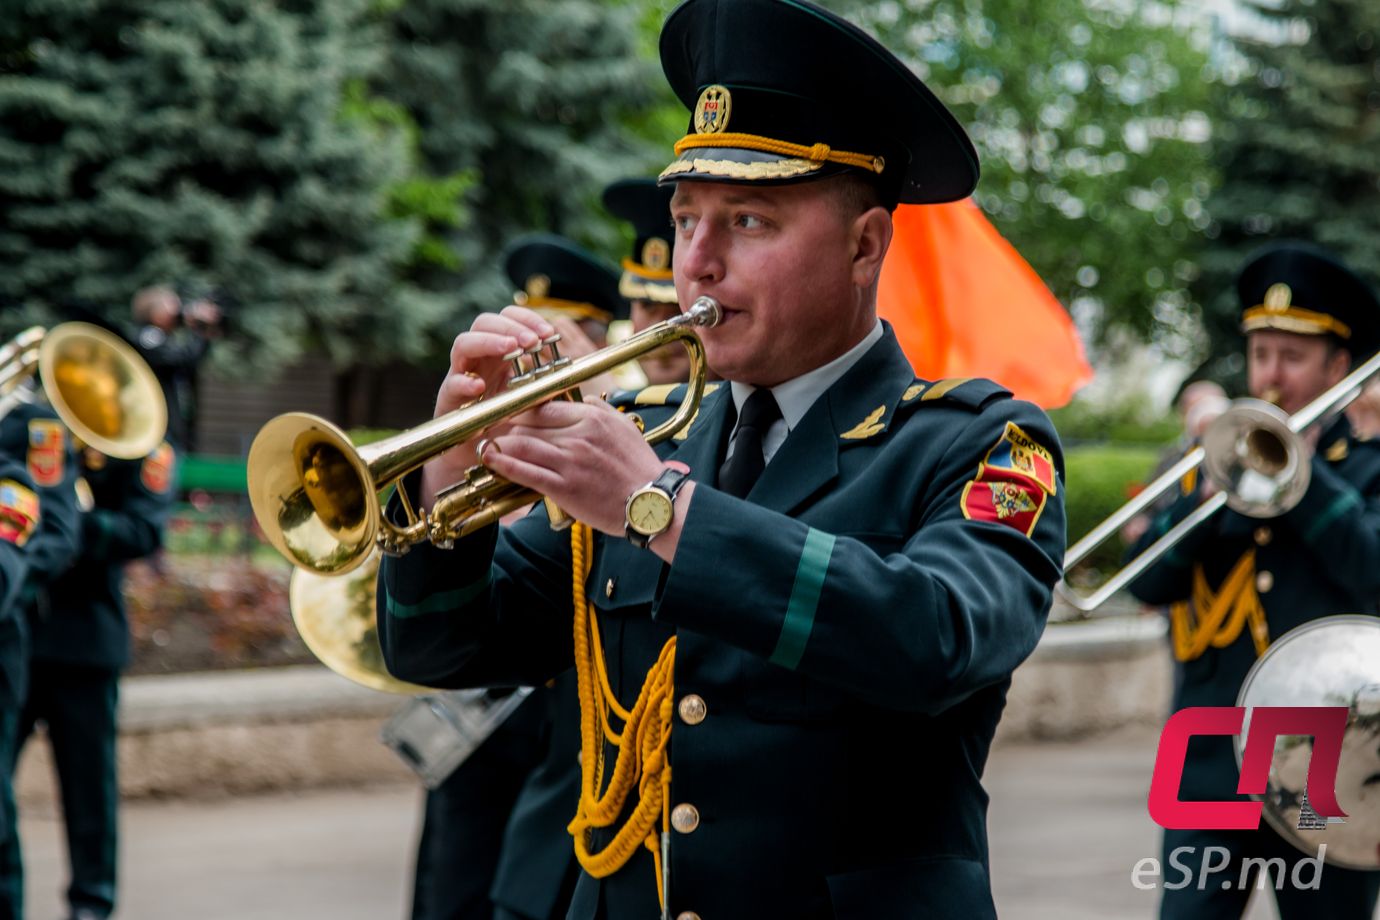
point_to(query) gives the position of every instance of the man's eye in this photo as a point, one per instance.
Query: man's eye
(750, 221)
(683, 222)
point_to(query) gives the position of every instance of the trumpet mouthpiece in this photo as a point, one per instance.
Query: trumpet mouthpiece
(705, 311)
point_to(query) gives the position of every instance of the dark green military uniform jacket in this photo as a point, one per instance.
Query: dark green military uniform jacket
(20, 516)
(851, 629)
(85, 623)
(538, 859)
(32, 435)
(1318, 559)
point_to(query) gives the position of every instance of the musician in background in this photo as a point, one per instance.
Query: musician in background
(647, 282)
(524, 777)
(21, 514)
(80, 645)
(1237, 583)
(31, 433)
(795, 622)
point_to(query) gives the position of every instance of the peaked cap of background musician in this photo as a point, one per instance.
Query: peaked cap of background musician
(550, 272)
(647, 206)
(1301, 288)
(783, 91)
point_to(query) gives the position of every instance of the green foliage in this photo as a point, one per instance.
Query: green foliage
(205, 144)
(1099, 480)
(545, 101)
(1089, 119)
(1130, 421)
(1297, 146)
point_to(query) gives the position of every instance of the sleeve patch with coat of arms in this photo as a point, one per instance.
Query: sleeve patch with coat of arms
(1017, 452)
(47, 451)
(18, 512)
(156, 472)
(1013, 482)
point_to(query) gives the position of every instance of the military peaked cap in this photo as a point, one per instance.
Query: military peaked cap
(785, 91)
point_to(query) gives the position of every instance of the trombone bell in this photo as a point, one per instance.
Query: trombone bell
(1252, 455)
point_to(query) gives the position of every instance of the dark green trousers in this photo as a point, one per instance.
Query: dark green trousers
(11, 863)
(77, 705)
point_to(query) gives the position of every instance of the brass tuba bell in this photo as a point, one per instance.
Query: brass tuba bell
(101, 389)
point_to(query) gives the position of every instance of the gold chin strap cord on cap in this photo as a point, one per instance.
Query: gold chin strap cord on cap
(819, 153)
(641, 745)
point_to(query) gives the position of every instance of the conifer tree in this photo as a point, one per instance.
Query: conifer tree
(538, 100)
(206, 144)
(1296, 146)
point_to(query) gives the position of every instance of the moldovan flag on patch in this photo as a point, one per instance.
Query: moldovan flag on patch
(965, 304)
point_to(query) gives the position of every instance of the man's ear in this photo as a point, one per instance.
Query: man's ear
(1338, 366)
(871, 235)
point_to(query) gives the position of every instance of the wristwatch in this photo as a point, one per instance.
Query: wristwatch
(650, 509)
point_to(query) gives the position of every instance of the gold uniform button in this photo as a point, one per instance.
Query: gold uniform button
(692, 709)
(1263, 536)
(687, 915)
(685, 818)
(608, 587)
(1264, 581)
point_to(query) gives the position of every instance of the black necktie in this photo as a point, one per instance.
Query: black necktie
(741, 469)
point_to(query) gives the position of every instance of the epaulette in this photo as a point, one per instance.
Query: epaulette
(661, 394)
(970, 392)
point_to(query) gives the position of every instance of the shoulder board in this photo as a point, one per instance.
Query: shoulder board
(969, 392)
(661, 394)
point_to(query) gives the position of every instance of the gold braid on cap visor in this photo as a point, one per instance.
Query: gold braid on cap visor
(806, 159)
(558, 307)
(1293, 319)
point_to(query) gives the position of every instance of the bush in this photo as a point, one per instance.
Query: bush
(1100, 479)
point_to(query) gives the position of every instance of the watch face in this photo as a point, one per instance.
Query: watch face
(649, 512)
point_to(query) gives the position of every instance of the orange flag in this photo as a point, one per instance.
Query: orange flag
(965, 304)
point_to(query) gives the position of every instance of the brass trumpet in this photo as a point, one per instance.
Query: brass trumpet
(316, 496)
(100, 388)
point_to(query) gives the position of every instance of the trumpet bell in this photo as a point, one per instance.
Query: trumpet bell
(312, 493)
(102, 390)
(336, 619)
(1334, 661)
(1253, 456)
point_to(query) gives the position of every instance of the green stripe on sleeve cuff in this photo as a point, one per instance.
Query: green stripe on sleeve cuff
(436, 603)
(805, 592)
(1340, 505)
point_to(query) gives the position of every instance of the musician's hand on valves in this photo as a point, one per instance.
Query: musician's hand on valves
(477, 368)
(586, 457)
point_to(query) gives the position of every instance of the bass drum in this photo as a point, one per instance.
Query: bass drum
(1334, 661)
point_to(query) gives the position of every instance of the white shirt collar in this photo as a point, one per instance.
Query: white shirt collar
(796, 396)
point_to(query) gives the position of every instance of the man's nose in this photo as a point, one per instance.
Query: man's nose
(700, 258)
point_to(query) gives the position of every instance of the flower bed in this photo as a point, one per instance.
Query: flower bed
(209, 612)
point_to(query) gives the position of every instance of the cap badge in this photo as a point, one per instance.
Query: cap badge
(712, 110)
(1278, 297)
(538, 286)
(656, 254)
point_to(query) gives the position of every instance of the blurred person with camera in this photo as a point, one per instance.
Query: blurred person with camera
(174, 337)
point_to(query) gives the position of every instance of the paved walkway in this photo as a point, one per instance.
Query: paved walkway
(1068, 823)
